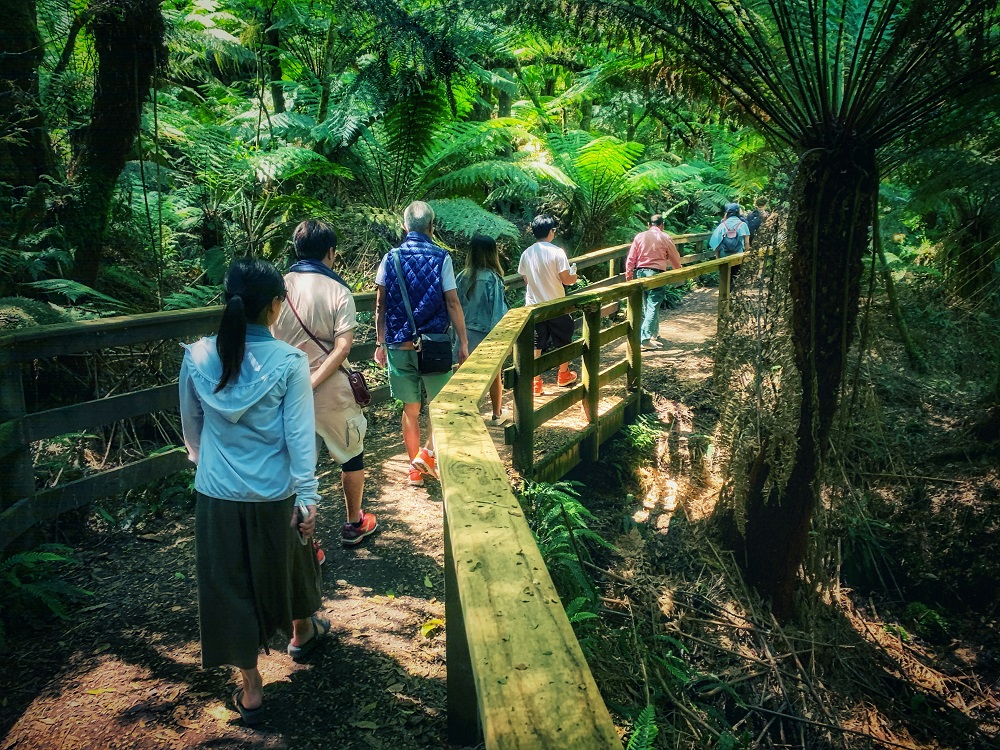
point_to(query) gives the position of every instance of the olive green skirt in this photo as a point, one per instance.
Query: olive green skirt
(254, 578)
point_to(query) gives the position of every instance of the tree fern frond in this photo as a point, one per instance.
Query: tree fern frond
(463, 216)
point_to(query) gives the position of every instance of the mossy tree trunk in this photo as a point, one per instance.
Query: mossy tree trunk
(128, 40)
(25, 151)
(828, 233)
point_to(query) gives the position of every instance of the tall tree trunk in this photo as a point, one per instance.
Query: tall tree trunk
(586, 114)
(482, 107)
(25, 151)
(831, 210)
(272, 51)
(327, 75)
(504, 101)
(128, 40)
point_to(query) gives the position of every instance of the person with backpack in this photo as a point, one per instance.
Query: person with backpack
(757, 217)
(481, 292)
(732, 236)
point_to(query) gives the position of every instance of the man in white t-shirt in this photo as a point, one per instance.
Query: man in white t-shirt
(547, 271)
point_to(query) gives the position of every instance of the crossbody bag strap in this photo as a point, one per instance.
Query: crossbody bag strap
(342, 368)
(304, 328)
(402, 290)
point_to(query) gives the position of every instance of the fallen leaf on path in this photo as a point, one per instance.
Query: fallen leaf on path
(100, 691)
(102, 647)
(431, 627)
(428, 583)
(222, 713)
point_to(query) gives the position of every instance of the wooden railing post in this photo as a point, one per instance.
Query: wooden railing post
(592, 379)
(463, 707)
(725, 280)
(523, 449)
(634, 378)
(16, 467)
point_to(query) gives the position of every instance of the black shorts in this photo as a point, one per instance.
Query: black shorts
(551, 334)
(354, 464)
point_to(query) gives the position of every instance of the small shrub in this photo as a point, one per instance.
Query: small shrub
(928, 623)
(32, 584)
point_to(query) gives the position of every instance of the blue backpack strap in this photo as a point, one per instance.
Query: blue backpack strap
(401, 280)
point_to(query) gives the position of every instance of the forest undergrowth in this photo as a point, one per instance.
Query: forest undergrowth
(894, 643)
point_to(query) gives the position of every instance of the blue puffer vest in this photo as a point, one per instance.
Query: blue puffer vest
(421, 261)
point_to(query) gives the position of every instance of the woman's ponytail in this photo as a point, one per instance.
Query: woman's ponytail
(231, 342)
(251, 286)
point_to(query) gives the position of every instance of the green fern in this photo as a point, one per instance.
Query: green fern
(79, 294)
(644, 730)
(560, 523)
(193, 296)
(30, 579)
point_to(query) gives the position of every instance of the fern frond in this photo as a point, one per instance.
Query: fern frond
(463, 216)
(644, 730)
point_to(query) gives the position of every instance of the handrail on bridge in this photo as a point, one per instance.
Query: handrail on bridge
(516, 674)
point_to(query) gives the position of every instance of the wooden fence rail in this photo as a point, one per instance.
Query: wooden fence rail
(516, 674)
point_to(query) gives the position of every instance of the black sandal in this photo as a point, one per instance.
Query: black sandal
(250, 716)
(321, 629)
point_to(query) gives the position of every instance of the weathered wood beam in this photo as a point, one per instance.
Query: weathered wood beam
(29, 511)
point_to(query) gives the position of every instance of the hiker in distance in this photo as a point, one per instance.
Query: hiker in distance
(547, 272)
(732, 236)
(649, 255)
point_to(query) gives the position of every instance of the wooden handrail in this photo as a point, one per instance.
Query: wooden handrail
(516, 674)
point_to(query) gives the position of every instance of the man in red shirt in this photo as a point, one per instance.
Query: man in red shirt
(650, 252)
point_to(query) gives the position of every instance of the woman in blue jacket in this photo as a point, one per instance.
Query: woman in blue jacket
(481, 292)
(247, 415)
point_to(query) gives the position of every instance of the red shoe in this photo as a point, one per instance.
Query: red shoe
(320, 554)
(416, 478)
(566, 378)
(351, 535)
(538, 387)
(425, 463)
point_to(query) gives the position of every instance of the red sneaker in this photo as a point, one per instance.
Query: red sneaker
(320, 554)
(425, 463)
(566, 378)
(538, 387)
(351, 535)
(416, 478)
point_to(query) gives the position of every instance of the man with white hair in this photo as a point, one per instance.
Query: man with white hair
(426, 273)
